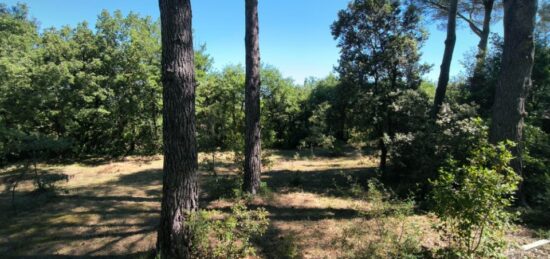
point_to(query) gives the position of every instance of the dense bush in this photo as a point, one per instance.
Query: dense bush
(471, 202)
(537, 167)
(423, 146)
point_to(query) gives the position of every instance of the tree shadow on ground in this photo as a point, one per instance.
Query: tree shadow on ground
(344, 152)
(107, 219)
(275, 244)
(88, 219)
(281, 213)
(128, 256)
(67, 220)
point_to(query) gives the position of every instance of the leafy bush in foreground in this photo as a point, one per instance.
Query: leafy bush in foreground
(471, 202)
(228, 237)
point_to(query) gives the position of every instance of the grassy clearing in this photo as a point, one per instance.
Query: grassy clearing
(111, 208)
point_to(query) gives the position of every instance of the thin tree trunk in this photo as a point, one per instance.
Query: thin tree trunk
(180, 185)
(252, 164)
(515, 77)
(476, 82)
(383, 157)
(447, 58)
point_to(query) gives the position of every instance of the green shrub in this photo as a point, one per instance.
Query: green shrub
(537, 167)
(18, 146)
(228, 237)
(421, 148)
(471, 202)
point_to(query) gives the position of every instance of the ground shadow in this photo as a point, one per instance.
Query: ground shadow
(333, 182)
(64, 220)
(128, 256)
(279, 213)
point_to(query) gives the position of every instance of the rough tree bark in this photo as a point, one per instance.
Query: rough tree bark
(252, 163)
(482, 45)
(447, 58)
(180, 188)
(515, 77)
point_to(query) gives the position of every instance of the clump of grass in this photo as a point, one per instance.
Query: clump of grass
(287, 247)
(391, 235)
(542, 233)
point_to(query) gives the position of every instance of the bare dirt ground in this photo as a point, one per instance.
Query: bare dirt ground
(110, 209)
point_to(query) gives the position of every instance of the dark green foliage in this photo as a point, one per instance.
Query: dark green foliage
(379, 61)
(317, 124)
(220, 112)
(282, 115)
(417, 154)
(17, 146)
(483, 94)
(537, 167)
(99, 89)
(538, 99)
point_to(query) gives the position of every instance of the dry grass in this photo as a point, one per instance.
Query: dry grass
(112, 208)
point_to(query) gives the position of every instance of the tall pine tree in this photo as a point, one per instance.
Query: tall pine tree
(252, 161)
(180, 186)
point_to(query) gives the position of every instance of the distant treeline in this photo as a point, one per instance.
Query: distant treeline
(77, 91)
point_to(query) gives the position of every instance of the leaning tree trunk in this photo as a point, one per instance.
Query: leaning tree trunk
(447, 58)
(515, 77)
(252, 161)
(180, 188)
(476, 82)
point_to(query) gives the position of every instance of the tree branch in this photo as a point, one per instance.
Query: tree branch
(470, 22)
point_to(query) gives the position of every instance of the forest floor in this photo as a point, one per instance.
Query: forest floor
(110, 209)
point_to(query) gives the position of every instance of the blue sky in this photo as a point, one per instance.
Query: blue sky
(294, 34)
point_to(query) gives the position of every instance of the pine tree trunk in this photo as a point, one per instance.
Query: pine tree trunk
(476, 82)
(515, 76)
(180, 185)
(447, 58)
(252, 164)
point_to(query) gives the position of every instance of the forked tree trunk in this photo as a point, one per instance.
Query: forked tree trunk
(515, 77)
(447, 58)
(252, 161)
(180, 188)
(476, 82)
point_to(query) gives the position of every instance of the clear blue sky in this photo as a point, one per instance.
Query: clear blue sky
(294, 34)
